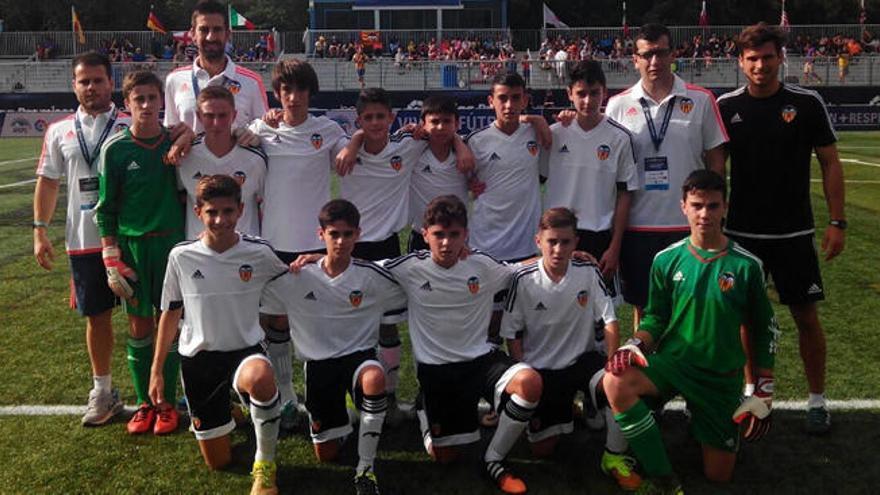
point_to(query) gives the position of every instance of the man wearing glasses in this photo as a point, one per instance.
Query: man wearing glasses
(676, 129)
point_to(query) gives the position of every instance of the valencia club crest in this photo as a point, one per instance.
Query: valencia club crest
(603, 151)
(789, 112)
(317, 141)
(473, 284)
(356, 297)
(532, 147)
(583, 298)
(686, 105)
(396, 163)
(245, 272)
(726, 281)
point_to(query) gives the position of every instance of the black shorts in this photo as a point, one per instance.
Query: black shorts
(792, 263)
(452, 392)
(596, 243)
(416, 242)
(207, 379)
(636, 255)
(288, 256)
(327, 381)
(553, 415)
(89, 293)
(378, 250)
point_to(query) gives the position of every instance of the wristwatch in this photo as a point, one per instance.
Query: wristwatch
(840, 224)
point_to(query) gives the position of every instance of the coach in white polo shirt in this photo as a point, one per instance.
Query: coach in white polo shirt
(676, 129)
(210, 32)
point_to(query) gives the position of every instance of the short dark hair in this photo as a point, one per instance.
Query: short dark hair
(445, 211)
(758, 34)
(509, 79)
(206, 7)
(372, 95)
(652, 33)
(703, 180)
(339, 210)
(558, 218)
(215, 93)
(439, 104)
(297, 73)
(211, 187)
(588, 71)
(141, 78)
(92, 59)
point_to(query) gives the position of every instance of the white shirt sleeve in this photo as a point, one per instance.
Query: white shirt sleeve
(512, 320)
(713, 130)
(603, 306)
(272, 301)
(171, 292)
(171, 116)
(626, 166)
(51, 162)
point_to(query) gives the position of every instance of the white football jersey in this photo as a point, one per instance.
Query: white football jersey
(449, 308)
(62, 156)
(557, 319)
(245, 85)
(220, 293)
(695, 126)
(298, 182)
(432, 178)
(584, 168)
(505, 217)
(246, 164)
(333, 317)
(379, 186)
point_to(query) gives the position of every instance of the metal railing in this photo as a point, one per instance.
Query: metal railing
(338, 75)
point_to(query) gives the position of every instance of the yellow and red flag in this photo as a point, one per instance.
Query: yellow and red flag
(154, 24)
(77, 26)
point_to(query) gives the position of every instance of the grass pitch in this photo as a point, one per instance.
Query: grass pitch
(43, 361)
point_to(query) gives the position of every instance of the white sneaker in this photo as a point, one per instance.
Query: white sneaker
(102, 407)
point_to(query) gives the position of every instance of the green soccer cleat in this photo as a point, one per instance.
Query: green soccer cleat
(622, 468)
(366, 483)
(818, 420)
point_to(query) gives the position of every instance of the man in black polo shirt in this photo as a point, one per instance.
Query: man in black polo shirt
(774, 128)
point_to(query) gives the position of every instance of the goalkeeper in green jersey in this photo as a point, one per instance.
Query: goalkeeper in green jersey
(702, 289)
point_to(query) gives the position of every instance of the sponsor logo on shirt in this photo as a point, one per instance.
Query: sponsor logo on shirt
(540, 307)
(631, 112)
(197, 275)
(427, 169)
(239, 177)
(583, 298)
(473, 284)
(603, 151)
(678, 277)
(197, 175)
(494, 156)
(276, 139)
(184, 87)
(70, 136)
(396, 163)
(310, 296)
(245, 272)
(736, 119)
(726, 281)
(317, 141)
(789, 112)
(133, 166)
(564, 149)
(426, 286)
(356, 297)
(686, 105)
(814, 289)
(532, 147)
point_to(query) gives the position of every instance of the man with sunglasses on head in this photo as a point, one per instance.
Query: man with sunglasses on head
(676, 129)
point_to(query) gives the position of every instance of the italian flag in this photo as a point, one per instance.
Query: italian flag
(237, 20)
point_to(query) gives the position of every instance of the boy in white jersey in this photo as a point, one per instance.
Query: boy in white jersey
(301, 153)
(335, 307)
(216, 152)
(219, 279)
(552, 310)
(450, 305)
(436, 173)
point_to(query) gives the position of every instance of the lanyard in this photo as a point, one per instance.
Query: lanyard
(195, 82)
(83, 147)
(657, 139)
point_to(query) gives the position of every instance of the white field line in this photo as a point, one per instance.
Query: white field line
(854, 181)
(859, 162)
(675, 405)
(20, 160)
(19, 183)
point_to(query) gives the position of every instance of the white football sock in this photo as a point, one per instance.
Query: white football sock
(373, 410)
(102, 384)
(614, 439)
(279, 350)
(511, 423)
(267, 419)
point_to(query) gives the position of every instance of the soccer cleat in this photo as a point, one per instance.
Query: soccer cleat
(102, 407)
(166, 421)
(818, 420)
(622, 468)
(289, 416)
(504, 479)
(366, 484)
(667, 485)
(142, 421)
(264, 478)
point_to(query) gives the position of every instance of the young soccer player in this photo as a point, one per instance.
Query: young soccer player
(435, 173)
(450, 305)
(140, 219)
(219, 279)
(702, 289)
(552, 310)
(301, 153)
(216, 152)
(334, 308)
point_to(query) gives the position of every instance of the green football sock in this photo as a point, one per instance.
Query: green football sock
(641, 430)
(140, 360)
(170, 372)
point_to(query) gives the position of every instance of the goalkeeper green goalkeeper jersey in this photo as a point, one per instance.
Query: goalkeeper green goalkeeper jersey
(138, 191)
(697, 300)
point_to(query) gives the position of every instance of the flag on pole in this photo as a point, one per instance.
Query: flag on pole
(783, 20)
(704, 16)
(863, 14)
(238, 20)
(552, 19)
(77, 27)
(154, 24)
(625, 26)
(270, 41)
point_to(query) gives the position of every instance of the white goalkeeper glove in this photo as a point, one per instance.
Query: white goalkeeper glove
(628, 355)
(754, 411)
(119, 275)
